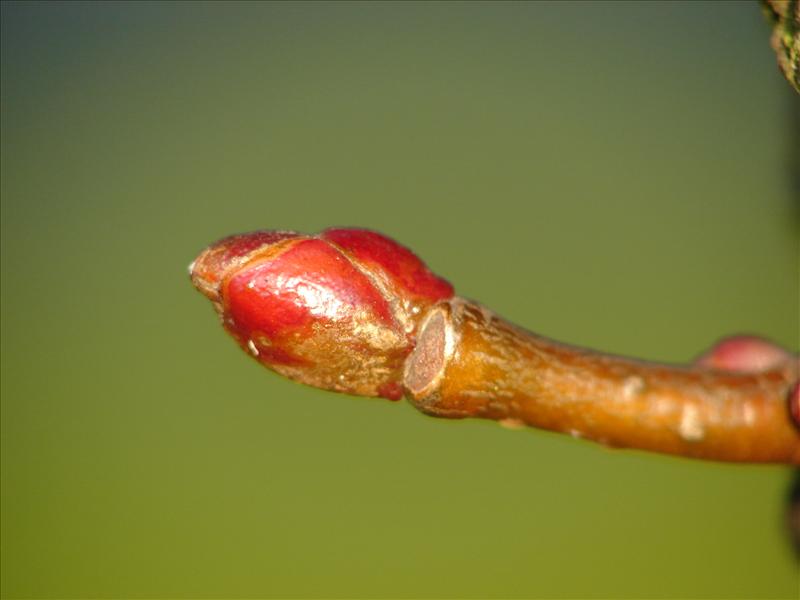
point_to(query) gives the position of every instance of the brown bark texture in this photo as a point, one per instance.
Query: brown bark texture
(469, 362)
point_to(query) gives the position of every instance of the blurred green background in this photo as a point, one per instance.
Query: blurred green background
(612, 175)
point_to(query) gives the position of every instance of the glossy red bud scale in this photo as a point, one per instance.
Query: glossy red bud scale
(339, 310)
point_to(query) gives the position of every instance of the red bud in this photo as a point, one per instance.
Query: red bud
(794, 403)
(338, 311)
(744, 353)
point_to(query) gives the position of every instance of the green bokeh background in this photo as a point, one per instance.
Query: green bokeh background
(612, 175)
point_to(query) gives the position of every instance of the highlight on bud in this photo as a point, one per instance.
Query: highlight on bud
(338, 310)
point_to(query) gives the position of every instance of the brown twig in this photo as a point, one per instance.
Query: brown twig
(469, 362)
(784, 16)
(352, 311)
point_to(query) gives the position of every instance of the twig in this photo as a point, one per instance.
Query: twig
(352, 311)
(470, 363)
(784, 16)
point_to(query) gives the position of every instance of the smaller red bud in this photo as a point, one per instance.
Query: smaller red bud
(338, 311)
(794, 403)
(744, 353)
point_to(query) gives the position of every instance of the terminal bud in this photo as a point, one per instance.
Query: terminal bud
(338, 310)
